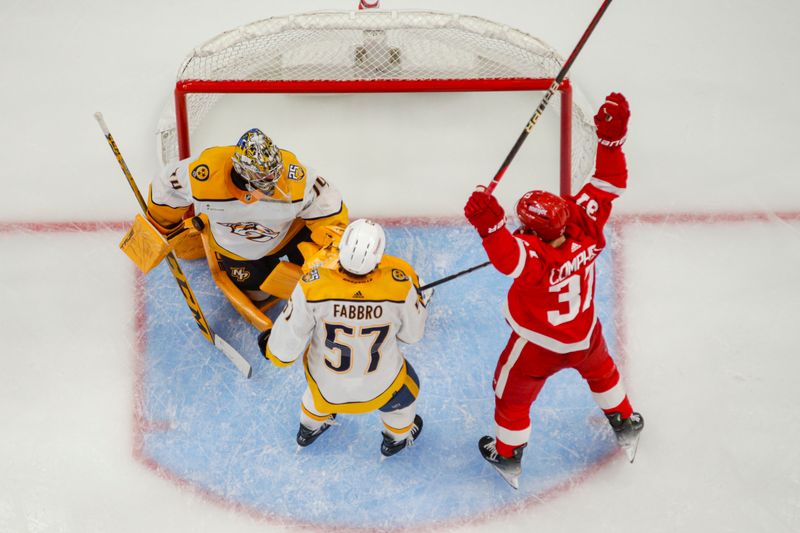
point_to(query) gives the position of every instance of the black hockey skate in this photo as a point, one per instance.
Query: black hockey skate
(627, 432)
(307, 436)
(389, 446)
(508, 467)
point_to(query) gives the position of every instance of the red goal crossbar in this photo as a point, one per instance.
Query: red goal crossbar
(186, 87)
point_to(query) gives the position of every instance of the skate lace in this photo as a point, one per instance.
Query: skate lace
(330, 422)
(412, 436)
(410, 439)
(491, 447)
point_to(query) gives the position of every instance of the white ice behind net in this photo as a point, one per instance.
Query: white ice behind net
(371, 45)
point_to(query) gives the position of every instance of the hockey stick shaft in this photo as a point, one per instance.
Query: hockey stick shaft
(546, 99)
(453, 276)
(180, 278)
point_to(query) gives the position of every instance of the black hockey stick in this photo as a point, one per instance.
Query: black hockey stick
(453, 276)
(183, 283)
(529, 127)
(549, 94)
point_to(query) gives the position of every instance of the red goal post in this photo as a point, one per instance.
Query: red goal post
(373, 51)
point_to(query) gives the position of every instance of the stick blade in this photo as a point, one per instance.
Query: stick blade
(235, 357)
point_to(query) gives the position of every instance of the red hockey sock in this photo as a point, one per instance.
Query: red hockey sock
(624, 409)
(506, 450)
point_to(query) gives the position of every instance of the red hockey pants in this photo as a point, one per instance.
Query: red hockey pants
(521, 373)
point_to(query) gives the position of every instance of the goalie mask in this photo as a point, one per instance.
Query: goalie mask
(543, 213)
(258, 161)
(361, 247)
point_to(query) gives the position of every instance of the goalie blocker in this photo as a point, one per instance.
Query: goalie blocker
(146, 245)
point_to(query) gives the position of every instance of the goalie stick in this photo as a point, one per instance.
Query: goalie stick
(546, 99)
(183, 283)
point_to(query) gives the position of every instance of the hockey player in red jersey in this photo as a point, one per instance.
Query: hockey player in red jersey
(550, 305)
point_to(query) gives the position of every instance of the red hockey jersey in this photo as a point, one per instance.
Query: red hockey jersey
(551, 301)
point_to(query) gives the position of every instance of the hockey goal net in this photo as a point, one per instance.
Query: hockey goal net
(373, 51)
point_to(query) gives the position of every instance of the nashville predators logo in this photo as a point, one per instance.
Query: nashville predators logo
(252, 231)
(399, 275)
(201, 173)
(240, 274)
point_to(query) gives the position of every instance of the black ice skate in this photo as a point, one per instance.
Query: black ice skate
(627, 432)
(306, 436)
(508, 467)
(389, 446)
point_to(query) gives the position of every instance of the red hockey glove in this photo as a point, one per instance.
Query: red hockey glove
(612, 120)
(484, 213)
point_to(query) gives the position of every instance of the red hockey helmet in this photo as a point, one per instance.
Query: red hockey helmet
(543, 213)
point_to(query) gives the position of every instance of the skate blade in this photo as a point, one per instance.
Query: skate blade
(510, 479)
(630, 448)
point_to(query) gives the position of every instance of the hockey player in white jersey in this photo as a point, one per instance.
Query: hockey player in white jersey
(348, 322)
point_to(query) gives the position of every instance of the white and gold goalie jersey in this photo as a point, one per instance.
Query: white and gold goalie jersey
(352, 363)
(244, 225)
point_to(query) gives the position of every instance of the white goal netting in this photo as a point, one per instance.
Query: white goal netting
(366, 51)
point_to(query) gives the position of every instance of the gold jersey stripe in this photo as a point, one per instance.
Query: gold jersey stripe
(214, 183)
(384, 284)
(275, 361)
(313, 416)
(413, 388)
(356, 300)
(400, 430)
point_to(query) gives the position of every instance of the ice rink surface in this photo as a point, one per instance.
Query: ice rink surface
(706, 251)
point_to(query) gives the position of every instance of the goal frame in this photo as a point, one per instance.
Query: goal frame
(374, 51)
(184, 88)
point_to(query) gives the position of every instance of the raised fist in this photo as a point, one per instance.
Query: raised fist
(612, 120)
(484, 213)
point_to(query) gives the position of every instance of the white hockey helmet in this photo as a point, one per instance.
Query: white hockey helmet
(361, 247)
(258, 161)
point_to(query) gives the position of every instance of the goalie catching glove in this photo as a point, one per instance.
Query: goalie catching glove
(322, 251)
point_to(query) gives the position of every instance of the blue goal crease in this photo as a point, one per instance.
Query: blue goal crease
(235, 437)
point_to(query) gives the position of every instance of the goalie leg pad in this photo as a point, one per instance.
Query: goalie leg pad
(235, 296)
